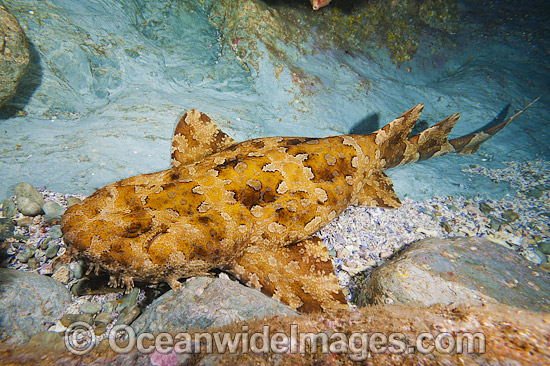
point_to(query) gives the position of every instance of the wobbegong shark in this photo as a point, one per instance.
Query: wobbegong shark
(250, 208)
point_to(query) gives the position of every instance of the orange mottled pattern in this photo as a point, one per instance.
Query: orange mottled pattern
(249, 208)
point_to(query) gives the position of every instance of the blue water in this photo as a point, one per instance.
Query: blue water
(110, 79)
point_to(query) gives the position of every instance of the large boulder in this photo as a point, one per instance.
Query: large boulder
(14, 54)
(205, 302)
(470, 271)
(29, 303)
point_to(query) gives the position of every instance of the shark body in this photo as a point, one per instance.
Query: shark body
(250, 208)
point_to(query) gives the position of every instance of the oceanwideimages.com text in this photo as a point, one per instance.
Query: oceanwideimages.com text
(80, 339)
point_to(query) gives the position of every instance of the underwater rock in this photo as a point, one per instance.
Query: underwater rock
(26, 254)
(55, 232)
(545, 247)
(90, 307)
(51, 340)
(14, 54)
(206, 302)
(72, 201)
(8, 208)
(52, 211)
(470, 271)
(29, 200)
(508, 337)
(29, 303)
(6, 228)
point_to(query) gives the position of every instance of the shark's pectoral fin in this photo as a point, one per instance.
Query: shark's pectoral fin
(300, 275)
(196, 137)
(378, 192)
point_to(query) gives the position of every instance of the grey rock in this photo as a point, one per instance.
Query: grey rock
(29, 303)
(128, 315)
(535, 256)
(24, 222)
(52, 211)
(55, 232)
(469, 271)
(25, 255)
(62, 274)
(535, 192)
(90, 307)
(204, 302)
(545, 247)
(52, 208)
(6, 228)
(69, 319)
(45, 243)
(129, 300)
(28, 207)
(103, 318)
(52, 250)
(29, 200)
(14, 55)
(79, 288)
(8, 208)
(72, 201)
(77, 268)
(51, 340)
(108, 307)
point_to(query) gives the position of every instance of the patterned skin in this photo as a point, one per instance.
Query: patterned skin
(249, 208)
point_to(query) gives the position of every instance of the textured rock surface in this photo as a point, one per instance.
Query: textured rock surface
(470, 271)
(512, 338)
(206, 302)
(29, 304)
(14, 54)
(29, 200)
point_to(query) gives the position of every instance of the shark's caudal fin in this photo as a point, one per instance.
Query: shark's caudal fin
(196, 137)
(470, 144)
(398, 149)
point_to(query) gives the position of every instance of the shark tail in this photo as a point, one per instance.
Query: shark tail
(397, 148)
(470, 144)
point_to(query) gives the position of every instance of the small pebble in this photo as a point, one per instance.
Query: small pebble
(69, 319)
(24, 222)
(45, 243)
(25, 255)
(90, 307)
(62, 274)
(77, 268)
(55, 232)
(534, 256)
(128, 315)
(52, 208)
(39, 254)
(510, 216)
(545, 247)
(104, 318)
(100, 329)
(535, 193)
(79, 288)
(108, 307)
(129, 300)
(52, 250)
(71, 201)
(8, 208)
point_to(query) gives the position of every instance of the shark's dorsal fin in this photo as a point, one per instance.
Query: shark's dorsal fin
(378, 192)
(300, 275)
(196, 137)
